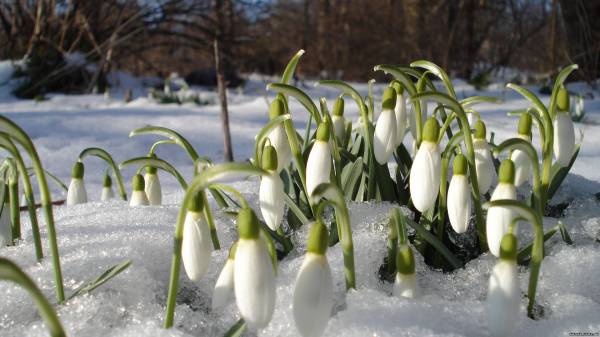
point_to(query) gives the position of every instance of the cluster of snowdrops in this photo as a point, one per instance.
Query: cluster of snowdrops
(306, 178)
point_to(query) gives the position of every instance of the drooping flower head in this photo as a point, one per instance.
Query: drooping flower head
(426, 168)
(278, 136)
(318, 166)
(138, 196)
(196, 245)
(152, 186)
(499, 218)
(76, 194)
(484, 162)
(384, 138)
(564, 132)
(405, 284)
(224, 286)
(339, 122)
(271, 194)
(107, 191)
(459, 196)
(400, 112)
(522, 162)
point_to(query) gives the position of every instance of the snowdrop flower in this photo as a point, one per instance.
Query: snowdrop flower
(405, 284)
(426, 169)
(152, 186)
(196, 245)
(278, 136)
(318, 165)
(138, 196)
(339, 122)
(503, 299)
(254, 275)
(499, 218)
(400, 112)
(564, 133)
(5, 222)
(522, 162)
(271, 195)
(107, 191)
(313, 292)
(224, 286)
(459, 196)
(384, 139)
(484, 162)
(76, 194)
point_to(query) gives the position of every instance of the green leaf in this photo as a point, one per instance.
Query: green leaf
(540, 107)
(167, 133)
(564, 233)
(299, 95)
(473, 100)
(351, 178)
(435, 243)
(437, 71)
(399, 75)
(237, 329)
(60, 183)
(103, 154)
(288, 73)
(296, 210)
(100, 280)
(559, 173)
(264, 133)
(524, 254)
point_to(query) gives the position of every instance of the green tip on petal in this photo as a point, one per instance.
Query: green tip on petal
(431, 130)
(277, 108)
(525, 124)
(562, 99)
(107, 181)
(318, 238)
(77, 171)
(138, 182)
(480, 130)
(460, 165)
(323, 132)
(506, 173)
(196, 204)
(338, 107)
(405, 261)
(269, 159)
(389, 99)
(398, 87)
(247, 222)
(151, 170)
(508, 247)
(232, 251)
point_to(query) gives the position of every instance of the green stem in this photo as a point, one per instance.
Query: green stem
(15, 212)
(104, 155)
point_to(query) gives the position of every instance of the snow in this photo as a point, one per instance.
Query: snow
(95, 236)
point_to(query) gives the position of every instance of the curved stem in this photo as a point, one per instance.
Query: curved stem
(103, 154)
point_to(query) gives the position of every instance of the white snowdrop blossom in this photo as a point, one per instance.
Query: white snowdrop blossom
(224, 287)
(318, 166)
(138, 196)
(484, 162)
(76, 193)
(339, 122)
(400, 113)
(384, 138)
(425, 173)
(278, 136)
(196, 246)
(499, 218)
(405, 284)
(152, 187)
(459, 196)
(271, 194)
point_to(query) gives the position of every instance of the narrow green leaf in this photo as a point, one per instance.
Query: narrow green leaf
(167, 133)
(237, 329)
(103, 154)
(437, 71)
(558, 82)
(435, 243)
(473, 100)
(288, 73)
(100, 280)
(299, 95)
(296, 210)
(559, 173)
(352, 177)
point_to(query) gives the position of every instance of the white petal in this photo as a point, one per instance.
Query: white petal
(471, 118)
(400, 112)
(271, 199)
(564, 138)
(153, 189)
(503, 300)
(318, 166)
(196, 246)
(339, 127)
(406, 286)
(254, 283)
(107, 194)
(224, 286)
(279, 141)
(76, 194)
(425, 176)
(484, 165)
(522, 167)
(5, 227)
(384, 139)
(313, 296)
(459, 203)
(139, 198)
(499, 218)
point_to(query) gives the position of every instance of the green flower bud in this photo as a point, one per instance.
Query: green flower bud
(508, 247)
(405, 261)
(338, 108)
(525, 124)
(398, 87)
(506, 173)
(431, 130)
(323, 132)
(318, 238)
(196, 204)
(138, 182)
(248, 226)
(107, 181)
(78, 170)
(269, 158)
(480, 130)
(151, 169)
(562, 99)
(389, 99)
(277, 108)
(460, 165)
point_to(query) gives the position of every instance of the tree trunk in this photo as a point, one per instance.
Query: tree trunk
(221, 85)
